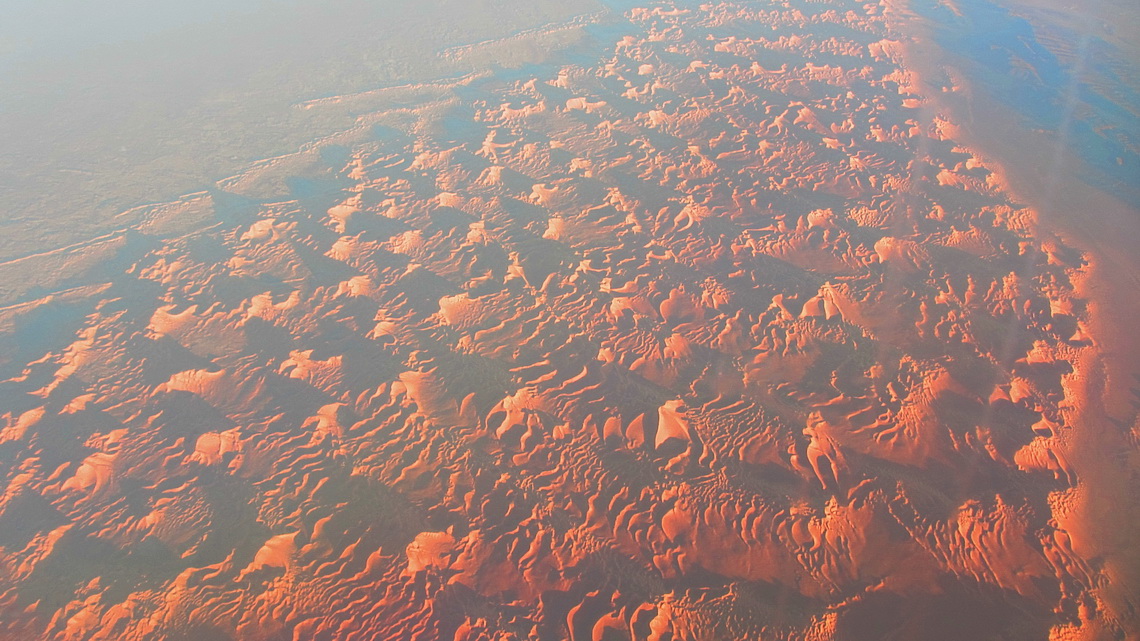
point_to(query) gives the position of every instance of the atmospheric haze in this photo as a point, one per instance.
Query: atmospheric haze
(487, 320)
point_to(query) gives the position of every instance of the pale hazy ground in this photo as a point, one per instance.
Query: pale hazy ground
(132, 102)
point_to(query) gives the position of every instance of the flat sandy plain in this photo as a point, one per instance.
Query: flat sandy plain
(729, 320)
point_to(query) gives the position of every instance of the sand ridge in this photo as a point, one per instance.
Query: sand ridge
(725, 335)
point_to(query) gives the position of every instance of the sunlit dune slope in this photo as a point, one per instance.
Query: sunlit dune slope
(722, 335)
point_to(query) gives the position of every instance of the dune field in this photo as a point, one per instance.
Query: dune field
(725, 320)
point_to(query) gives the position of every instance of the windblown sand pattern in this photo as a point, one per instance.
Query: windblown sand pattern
(723, 336)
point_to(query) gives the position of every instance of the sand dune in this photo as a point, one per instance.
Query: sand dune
(721, 337)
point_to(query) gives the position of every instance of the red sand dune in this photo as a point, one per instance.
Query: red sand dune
(677, 346)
